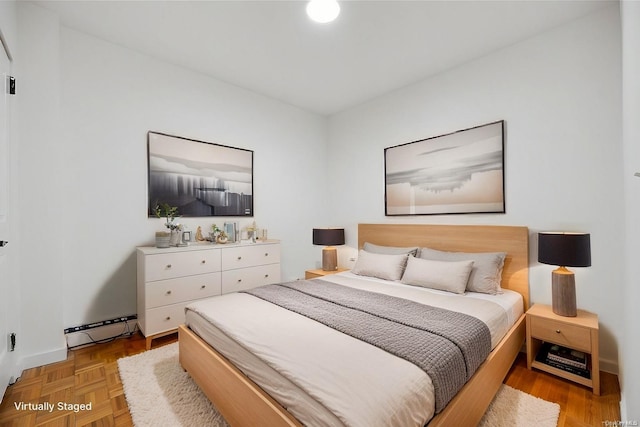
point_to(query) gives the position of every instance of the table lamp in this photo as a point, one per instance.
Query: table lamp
(564, 250)
(329, 237)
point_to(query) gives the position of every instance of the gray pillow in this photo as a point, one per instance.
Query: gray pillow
(389, 250)
(486, 273)
(450, 276)
(389, 267)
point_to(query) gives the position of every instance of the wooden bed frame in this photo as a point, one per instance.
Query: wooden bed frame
(243, 403)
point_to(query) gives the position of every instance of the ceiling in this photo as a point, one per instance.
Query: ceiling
(272, 48)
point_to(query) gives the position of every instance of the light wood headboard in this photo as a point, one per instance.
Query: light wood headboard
(462, 238)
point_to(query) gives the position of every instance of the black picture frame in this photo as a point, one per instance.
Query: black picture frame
(456, 173)
(200, 178)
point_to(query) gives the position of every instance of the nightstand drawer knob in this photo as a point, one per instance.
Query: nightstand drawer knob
(557, 331)
(168, 265)
(266, 254)
(239, 258)
(168, 292)
(239, 280)
(203, 286)
(168, 318)
(204, 261)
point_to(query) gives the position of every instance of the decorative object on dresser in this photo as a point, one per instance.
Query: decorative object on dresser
(564, 250)
(164, 239)
(460, 172)
(186, 237)
(169, 279)
(201, 178)
(564, 346)
(329, 237)
(232, 230)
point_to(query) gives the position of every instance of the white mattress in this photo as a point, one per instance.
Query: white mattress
(324, 377)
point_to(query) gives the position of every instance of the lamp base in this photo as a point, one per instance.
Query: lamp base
(563, 292)
(329, 259)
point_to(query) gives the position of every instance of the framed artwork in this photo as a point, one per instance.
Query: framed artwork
(460, 172)
(199, 178)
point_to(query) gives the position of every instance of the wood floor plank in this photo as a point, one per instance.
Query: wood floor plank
(90, 375)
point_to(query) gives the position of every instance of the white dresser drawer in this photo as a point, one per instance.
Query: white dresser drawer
(179, 264)
(249, 256)
(165, 318)
(171, 291)
(251, 277)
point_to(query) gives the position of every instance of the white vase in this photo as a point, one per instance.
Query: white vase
(175, 238)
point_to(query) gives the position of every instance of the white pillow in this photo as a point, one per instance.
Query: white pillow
(486, 274)
(389, 267)
(451, 276)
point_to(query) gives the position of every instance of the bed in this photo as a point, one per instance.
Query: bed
(243, 402)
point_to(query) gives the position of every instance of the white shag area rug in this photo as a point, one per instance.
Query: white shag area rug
(160, 393)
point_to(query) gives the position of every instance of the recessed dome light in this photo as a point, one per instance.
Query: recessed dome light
(323, 11)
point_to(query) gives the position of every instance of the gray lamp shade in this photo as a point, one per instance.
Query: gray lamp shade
(564, 249)
(328, 236)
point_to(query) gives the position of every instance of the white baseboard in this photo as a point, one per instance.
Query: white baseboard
(609, 366)
(41, 359)
(623, 406)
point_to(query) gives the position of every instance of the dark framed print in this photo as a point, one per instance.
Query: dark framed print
(460, 172)
(199, 178)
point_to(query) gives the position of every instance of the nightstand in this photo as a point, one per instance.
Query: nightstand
(575, 333)
(312, 274)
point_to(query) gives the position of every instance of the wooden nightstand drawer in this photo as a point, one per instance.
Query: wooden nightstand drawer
(573, 336)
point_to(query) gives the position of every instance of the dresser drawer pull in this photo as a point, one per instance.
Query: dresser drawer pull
(557, 331)
(168, 318)
(168, 292)
(203, 286)
(239, 280)
(168, 265)
(266, 254)
(266, 275)
(239, 258)
(204, 261)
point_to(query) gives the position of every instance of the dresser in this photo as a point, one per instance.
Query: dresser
(169, 279)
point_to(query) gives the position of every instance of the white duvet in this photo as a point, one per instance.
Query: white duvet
(324, 377)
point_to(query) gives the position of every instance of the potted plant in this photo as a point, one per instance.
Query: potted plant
(165, 238)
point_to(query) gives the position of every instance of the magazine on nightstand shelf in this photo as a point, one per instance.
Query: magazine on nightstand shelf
(573, 361)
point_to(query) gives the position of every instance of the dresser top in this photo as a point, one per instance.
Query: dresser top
(148, 250)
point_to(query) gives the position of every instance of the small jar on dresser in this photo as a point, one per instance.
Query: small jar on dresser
(169, 279)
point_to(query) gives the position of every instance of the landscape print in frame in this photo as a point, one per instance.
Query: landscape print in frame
(199, 178)
(456, 173)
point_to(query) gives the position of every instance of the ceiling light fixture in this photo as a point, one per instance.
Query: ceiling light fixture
(323, 11)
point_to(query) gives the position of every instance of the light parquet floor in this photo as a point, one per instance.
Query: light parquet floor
(90, 375)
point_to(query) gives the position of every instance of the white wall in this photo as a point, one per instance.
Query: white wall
(83, 169)
(8, 27)
(41, 229)
(630, 351)
(559, 94)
